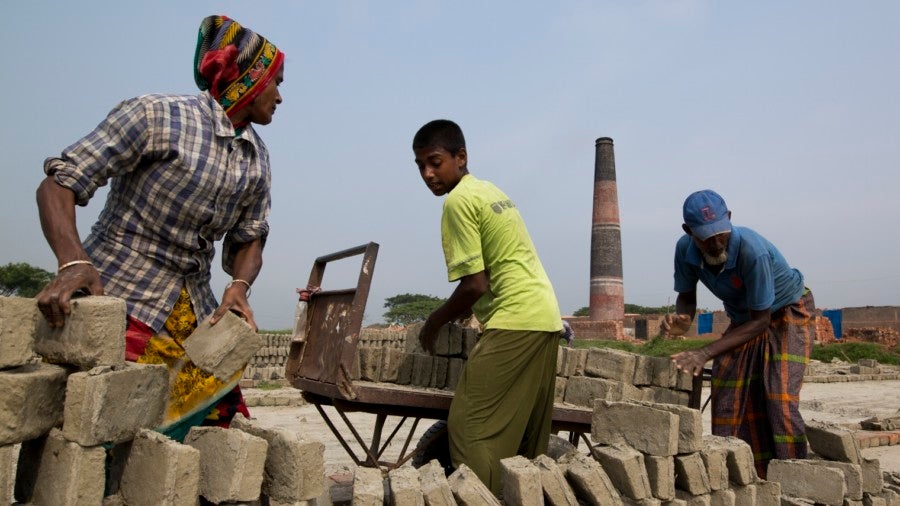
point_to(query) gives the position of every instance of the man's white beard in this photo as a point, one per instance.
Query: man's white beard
(719, 259)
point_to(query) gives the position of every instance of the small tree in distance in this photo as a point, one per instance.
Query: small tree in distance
(22, 279)
(410, 307)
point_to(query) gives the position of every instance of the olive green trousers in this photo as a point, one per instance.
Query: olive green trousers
(503, 403)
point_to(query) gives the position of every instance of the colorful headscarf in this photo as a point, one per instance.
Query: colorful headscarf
(234, 63)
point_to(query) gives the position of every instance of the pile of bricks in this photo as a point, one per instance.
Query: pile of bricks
(76, 431)
(664, 459)
(836, 474)
(585, 375)
(865, 369)
(413, 366)
(880, 335)
(824, 330)
(268, 362)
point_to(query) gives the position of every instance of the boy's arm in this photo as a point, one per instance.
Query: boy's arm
(467, 292)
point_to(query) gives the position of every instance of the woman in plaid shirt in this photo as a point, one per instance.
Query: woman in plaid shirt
(184, 172)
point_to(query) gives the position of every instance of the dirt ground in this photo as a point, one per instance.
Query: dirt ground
(841, 403)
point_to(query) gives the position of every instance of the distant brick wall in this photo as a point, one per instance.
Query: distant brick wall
(610, 330)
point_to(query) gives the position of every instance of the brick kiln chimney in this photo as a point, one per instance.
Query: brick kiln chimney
(607, 300)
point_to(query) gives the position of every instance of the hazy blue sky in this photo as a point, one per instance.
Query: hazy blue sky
(790, 110)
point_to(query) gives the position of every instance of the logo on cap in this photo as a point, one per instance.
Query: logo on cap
(708, 214)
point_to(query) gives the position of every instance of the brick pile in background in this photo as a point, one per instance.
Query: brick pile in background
(837, 371)
(56, 421)
(410, 365)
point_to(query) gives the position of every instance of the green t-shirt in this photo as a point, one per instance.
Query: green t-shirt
(481, 230)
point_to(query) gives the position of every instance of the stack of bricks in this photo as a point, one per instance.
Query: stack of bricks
(881, 335)
(836, 473)
(664, 459)
(268, 362)
(586, 375)
(824, 330)
(58, 420)
(413, 366)
(865, 369)
(390, 337)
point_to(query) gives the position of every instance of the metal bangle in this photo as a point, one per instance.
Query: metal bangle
(233, 281)
(73, 262)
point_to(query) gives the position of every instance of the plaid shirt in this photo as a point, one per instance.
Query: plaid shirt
(180, 181)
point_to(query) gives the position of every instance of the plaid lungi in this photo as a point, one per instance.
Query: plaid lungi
(756, 386)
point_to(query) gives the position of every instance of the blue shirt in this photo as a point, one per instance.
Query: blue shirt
(181, 179)
(755, 277)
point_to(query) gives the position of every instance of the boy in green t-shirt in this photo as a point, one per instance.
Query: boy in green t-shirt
(503, 404)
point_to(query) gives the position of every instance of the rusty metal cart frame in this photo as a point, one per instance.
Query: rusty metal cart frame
(322, 366)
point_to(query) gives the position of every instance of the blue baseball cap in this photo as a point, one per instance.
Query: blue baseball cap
(706, 214)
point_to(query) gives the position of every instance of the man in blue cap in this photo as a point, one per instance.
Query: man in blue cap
(759, 361)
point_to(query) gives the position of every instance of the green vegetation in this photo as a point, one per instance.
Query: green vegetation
(656, 347)
(268, 385)
(632, 309)
(410, 307)
(22, 279)
(851, 352)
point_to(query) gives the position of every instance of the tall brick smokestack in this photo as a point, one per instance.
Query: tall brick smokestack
(607, 300)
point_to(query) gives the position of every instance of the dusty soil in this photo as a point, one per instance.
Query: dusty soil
(842, 403)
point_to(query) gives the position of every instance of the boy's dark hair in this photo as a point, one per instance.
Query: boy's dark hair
(440, 133)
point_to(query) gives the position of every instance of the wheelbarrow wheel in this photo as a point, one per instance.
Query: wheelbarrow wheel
(435, 444)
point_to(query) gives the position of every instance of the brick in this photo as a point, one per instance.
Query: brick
(406, 490)
(661, 473)
(891, 498)
(583, 391)
(8, 456)
(715, 458)
(614, 422)
(468, 490)
(684, 381)
(93, 334)
(294, 465)
(768, 493)
(693, 500)
(832, 442)
(231, 463)
(573, 361)
(435, 487)
(662, 395)
(470, 338)
(625, 468)
(69, 473)
(521, 482)
(370, 360)
(873, 500)
(109, 405)
(557, 490)
(454, 371)
(663, 372)
(610, 364)
(18, 325)
(560, 361)
(404, 371)
(368, 487)
(741, 469)
(560, 389)
(589, 481)
(690, 474)
(853, 480)
(872, 478)
(442, 343)
(456, 340)
(438, 372)
(807, 479)
(724, 497)
(643, 370)
(744, 495)
(412, 338)
(31, 402)
(421, 370)
(224, 349)
(690, 427)
(160, 471)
